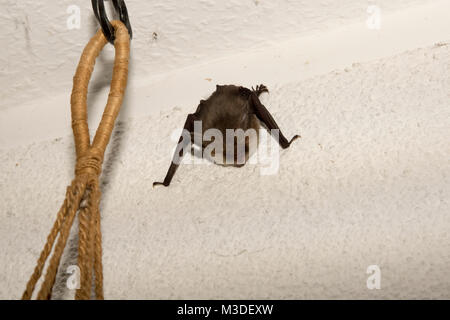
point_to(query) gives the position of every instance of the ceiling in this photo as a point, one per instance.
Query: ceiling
(41, 51)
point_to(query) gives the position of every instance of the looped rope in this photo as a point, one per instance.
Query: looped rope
(83, 196)
(89, 164)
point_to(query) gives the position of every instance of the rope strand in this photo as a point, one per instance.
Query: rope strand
(83, 196)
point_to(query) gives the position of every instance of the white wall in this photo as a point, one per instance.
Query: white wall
(367, 184)
(40, 54)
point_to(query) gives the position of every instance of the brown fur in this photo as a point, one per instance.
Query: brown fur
(229, 107)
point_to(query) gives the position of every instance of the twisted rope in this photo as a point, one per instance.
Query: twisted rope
(83, 195)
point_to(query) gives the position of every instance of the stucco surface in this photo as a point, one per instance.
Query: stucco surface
(368, 183)
(39, 52)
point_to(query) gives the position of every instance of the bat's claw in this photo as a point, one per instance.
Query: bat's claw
(294, 138)
(286, 144)
(260, 89)
(160, 184)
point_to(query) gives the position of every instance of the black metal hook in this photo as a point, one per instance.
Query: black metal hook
(107, 28)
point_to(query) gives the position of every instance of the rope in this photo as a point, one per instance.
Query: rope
(83, 195)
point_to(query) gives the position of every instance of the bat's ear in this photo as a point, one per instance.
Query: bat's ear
(218, 88)
(200, 105)
(244, 92)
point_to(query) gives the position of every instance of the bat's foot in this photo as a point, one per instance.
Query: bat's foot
(260, 89)
(297, 136)
(286, 145)
(160, 184)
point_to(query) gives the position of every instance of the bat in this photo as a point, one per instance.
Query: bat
(229, 107)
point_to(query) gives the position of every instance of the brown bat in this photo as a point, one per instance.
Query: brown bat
(229, 107)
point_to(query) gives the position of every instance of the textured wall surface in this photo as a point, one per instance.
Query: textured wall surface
(40, 53)
(368, 183)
